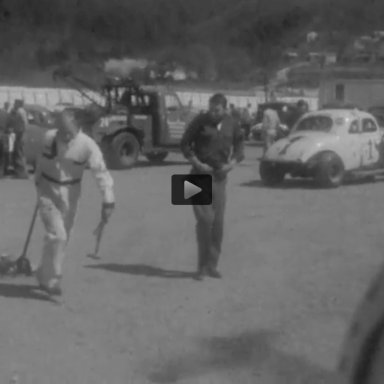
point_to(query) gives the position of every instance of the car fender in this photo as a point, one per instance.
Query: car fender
(314, 160)
(300, 148)
(111, 135)
(109, 127)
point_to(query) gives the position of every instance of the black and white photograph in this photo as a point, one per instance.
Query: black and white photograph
(191, 192)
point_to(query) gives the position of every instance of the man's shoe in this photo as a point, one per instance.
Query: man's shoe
(214, 273)
(53, 289)
(201, 273)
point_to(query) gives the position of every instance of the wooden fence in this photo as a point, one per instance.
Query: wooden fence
(49, 97)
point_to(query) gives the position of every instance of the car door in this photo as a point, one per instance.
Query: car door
(175, 118)
(351, 147)
(370, 139)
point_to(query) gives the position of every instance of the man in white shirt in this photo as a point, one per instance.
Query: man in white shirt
(270, 127)
(66, 153)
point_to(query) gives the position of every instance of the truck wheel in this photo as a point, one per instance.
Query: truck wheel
(271, 174)
(330, 171)
(123, 151)
(156, 157)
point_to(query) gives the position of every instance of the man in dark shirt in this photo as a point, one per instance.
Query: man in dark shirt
(213, 143)
(302, 108)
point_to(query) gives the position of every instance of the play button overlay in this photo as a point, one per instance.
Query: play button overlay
(191, 189)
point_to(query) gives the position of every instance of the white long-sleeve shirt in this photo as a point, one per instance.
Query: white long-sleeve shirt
(61, 166)
(271, 121)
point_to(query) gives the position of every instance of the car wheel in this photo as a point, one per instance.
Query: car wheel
(122, 151)
(156, 157)
(330, 170)
(271, 174)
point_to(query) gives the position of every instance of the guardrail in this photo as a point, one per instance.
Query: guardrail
(199, 100)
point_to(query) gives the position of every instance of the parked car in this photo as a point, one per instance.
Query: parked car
(287, 113)
(327, 145)
(378, 112)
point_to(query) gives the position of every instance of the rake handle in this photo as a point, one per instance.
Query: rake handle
(30, 230)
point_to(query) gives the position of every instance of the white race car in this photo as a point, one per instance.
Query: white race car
(327, 145)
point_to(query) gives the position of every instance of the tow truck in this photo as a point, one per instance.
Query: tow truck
(133, 119)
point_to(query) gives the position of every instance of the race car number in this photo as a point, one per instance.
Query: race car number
(369, 152)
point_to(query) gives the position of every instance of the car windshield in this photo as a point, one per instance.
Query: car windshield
(315, 123)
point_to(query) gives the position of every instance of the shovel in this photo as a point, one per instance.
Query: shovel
(22, 265)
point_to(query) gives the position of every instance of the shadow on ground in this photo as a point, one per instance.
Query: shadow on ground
(287, 184)
(21, 291)
(143, 270)
(148, 164)
(305, 184)
(250, 353)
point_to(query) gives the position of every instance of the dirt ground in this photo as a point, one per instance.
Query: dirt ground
(296, 261)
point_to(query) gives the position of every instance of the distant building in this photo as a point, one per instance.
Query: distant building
(290, 56)
(330, 58)
(359, 86)
(312, 36)
(322, 58)
(179, 74)
(379, 34)
(380, 51)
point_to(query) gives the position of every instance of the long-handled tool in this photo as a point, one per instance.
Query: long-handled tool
(22, 264)
(98, 232)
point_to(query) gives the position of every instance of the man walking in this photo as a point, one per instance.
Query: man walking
(270, 128)
(4, 116)
(213, 143)
(18, 124)
(66, 153)
(302, 108)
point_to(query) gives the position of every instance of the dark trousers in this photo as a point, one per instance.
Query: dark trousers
(6, 160)
(210, 226)
(19, 161)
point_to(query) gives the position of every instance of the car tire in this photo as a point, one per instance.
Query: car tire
(271, 174)
(156, 157)
(122, 151)
(330, 170)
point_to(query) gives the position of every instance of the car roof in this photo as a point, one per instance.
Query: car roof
(334, 113)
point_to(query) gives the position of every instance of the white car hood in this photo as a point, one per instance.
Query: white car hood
(299, 146)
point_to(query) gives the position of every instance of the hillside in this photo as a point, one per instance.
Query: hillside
(230, 40)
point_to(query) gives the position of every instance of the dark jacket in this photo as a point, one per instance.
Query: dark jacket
(210, 145)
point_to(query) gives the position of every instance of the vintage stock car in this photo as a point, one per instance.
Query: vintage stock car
(327, 145)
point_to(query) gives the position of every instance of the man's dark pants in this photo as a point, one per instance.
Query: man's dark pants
(19, 160)
(210, 226)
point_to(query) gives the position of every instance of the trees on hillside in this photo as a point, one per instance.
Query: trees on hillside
(228, 38)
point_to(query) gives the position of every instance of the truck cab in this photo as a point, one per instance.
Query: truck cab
(147, 120)
(132, 119)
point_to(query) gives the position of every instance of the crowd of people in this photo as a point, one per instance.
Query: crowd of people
(272, 125)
